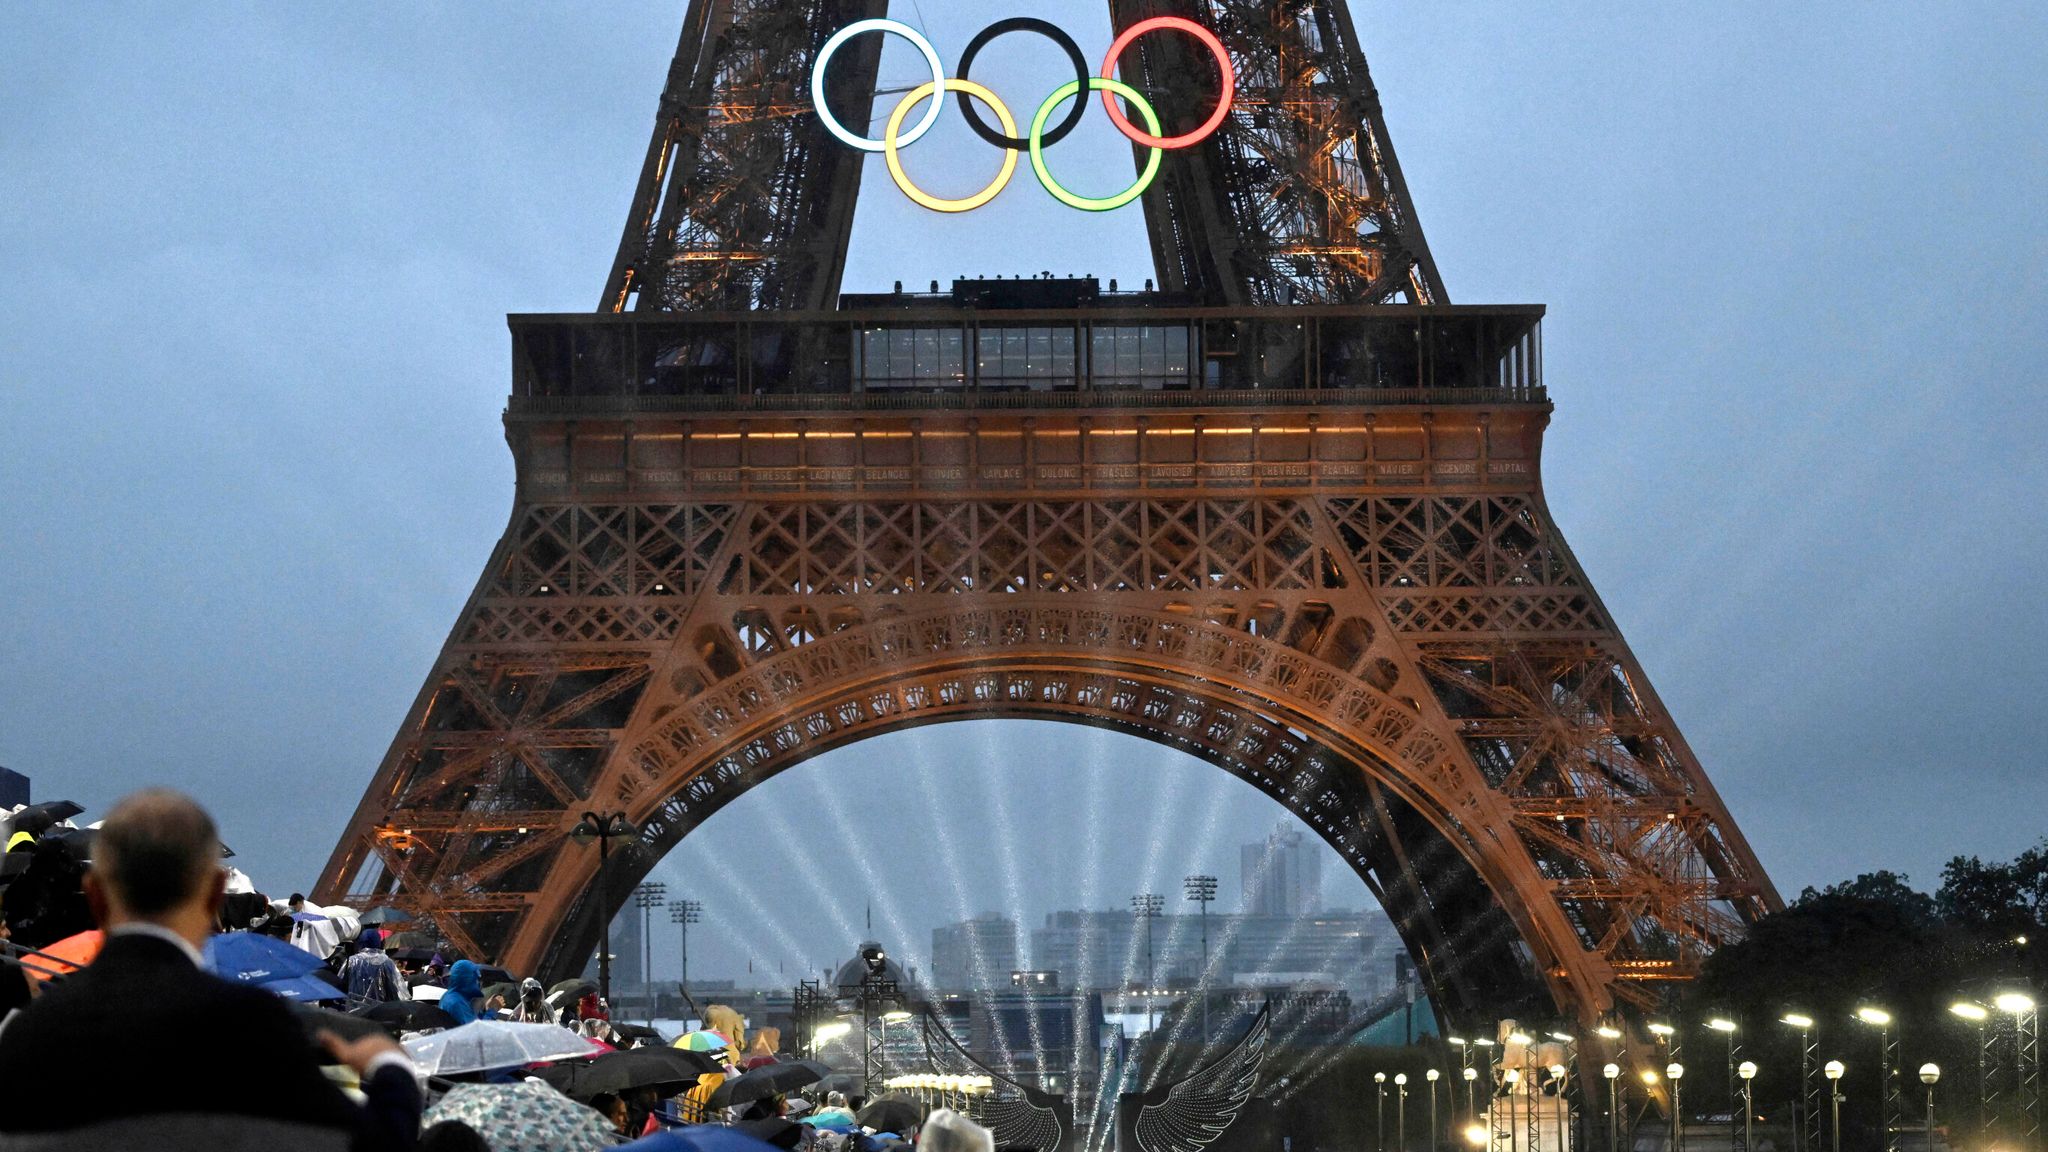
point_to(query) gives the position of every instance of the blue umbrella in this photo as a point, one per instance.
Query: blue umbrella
(700, 1138)
(248, 958)
(303, 988)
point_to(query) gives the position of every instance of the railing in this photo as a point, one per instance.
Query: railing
(940, 400)
(959, 357)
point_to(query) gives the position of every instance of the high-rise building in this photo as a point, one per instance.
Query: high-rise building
(13, 789)
(1283, 876)
(1106, 950)
(977, 953)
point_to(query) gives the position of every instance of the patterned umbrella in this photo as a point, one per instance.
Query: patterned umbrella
(524, 1117)
(486, 1044)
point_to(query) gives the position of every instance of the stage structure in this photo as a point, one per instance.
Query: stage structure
(1283, 512)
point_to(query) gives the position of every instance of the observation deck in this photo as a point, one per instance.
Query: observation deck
(1036, 383)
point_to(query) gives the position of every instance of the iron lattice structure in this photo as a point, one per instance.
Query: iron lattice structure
(1305, 543)
(743, 200)
(1298, 197)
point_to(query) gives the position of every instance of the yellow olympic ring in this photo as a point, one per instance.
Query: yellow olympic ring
(891, 144)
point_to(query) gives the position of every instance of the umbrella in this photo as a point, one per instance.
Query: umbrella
(306, 917)
(66, 955)
(774, 1130)
(488, 975)
(37, 818)
(316, 1020)
(571, 989)
(488, 1044)
(703, 1041)
(376, 917)
(700, 1138)
(617, 1072)
(408, 1015)
(509, 991)
(249, 958)
(768, 1080)
(303, 988)
(892, 1114)
(626, 1031)
(523, 1117)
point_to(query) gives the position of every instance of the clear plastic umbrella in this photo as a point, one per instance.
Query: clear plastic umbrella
(488, 1044)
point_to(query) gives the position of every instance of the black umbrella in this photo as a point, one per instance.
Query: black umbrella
(618, 1071)
(409, 1015)
(316, 1020)
(376, 917)
(768, 1080)
(898, 1114)
(413, 955)
(626, 1031)
(774, 1131)
(37, 818)
(572, 989)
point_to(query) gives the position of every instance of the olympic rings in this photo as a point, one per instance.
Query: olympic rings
(895, 138)
(891, 144)
(832, 124)
(1051, 32)
(1072, 90)
(1209, 40)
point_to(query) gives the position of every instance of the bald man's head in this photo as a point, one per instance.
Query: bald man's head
(158, 852)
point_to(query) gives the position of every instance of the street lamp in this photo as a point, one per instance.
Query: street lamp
(1147, 906)
(1881, 1020)
(1834, 1070)
(1930, 1074)
(1511, 1079)
(1806, 1124)
(649, 896)
(1726, 1028)
(685, 913)
(1471, 1076)
(1401, 1111)
(1379, 1080)
(1202, 889)
(1675, 1072)
(1613, 1074)
(1747, 1070)
(1432, 1076)
(603, 829)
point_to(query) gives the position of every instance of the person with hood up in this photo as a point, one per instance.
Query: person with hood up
(465, 988)
(533, 1006)
(370, 976)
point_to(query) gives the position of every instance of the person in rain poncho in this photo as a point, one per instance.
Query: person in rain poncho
(533, 1007)
(948, 1131)
(370, 976)
(465, 988)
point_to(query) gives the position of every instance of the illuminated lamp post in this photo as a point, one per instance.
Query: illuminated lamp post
(1805, 1122)
(1930, 1075)
(1747, 1070)
(1727, 1028)
(1881, 1020)
(1834, 1070)
(1613, 1073)
(1401, 1111)
(603, 829)
(1379, 1080)
(1675, 1072)
(1432, 1076)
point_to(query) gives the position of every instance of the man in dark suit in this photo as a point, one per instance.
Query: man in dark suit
(145, 1031)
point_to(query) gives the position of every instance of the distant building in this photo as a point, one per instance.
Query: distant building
(13, 789)
(1106, 950)
(1283, 876)
(977, 953)
(629, 969)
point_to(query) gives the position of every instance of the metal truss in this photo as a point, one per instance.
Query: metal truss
(744, 200)
(1501, 778)
(1298, 197)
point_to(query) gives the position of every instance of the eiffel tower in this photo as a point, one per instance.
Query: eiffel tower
(1282, 512)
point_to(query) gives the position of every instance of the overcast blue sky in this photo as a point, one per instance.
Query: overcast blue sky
(257, 256)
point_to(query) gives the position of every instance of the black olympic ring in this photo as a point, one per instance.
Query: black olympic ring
(1051, 32)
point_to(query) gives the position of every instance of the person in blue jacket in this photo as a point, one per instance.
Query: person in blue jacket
(465, 988)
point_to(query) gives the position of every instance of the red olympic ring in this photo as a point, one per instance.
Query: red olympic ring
(1214, 45)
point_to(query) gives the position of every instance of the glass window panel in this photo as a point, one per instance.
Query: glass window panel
(1016, 354)
(1177, 352)
(950, 344)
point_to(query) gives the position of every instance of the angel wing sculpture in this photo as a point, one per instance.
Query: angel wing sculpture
(1016, 1114)
(1187, 1116)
